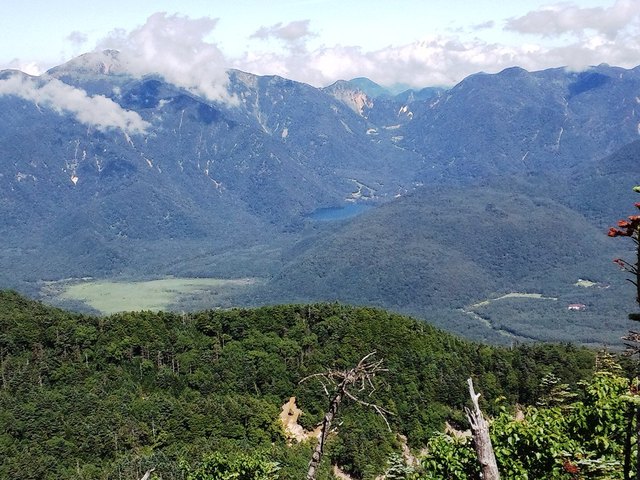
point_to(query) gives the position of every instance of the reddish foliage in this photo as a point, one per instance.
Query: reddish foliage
(626, 228)
(614, 232)
(570, 467)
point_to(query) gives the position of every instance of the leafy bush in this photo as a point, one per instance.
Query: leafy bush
(583, 439)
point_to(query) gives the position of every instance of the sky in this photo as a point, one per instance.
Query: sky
(416, 43)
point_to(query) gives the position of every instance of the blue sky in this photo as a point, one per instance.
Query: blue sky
(414, 42)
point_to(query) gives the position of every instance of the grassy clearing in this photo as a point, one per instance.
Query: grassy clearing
(111, 296)
(484, 303)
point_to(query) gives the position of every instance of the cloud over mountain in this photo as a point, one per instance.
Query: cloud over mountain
(414, 45)
(185, 52)
(435, 60)
(177, 48)
(97, 111)
(596, 35)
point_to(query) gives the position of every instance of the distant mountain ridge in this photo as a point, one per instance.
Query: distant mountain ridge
(224, 188)
(204, 171)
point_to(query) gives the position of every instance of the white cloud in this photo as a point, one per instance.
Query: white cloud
(484, 25)
(293, 32)
(585, 36)
(562, 18)
(97, 111)
(76, 43)
(442, 60)
(181, 50)
(175, 47)
(77, 38)
(432, 61)
(30, 68)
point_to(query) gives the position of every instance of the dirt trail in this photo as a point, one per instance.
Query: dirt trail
(289, 418)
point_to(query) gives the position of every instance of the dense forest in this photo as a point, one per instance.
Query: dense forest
(90, 397)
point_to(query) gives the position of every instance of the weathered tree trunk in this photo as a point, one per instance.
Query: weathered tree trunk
(147, 474)
(312, 472)
(362, 374)
(481, 439)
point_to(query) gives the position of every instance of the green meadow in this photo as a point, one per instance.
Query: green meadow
(117, 296)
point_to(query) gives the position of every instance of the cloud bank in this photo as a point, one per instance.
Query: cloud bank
(175, 47)
(582, 37)
(97, 111)
(558, 19)
(181, 49)
(437, 60)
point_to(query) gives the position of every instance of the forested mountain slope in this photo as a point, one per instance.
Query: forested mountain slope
(441, 250)
(514, 175)
(101, 397)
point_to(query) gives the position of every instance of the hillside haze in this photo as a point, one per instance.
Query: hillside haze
(502, 184)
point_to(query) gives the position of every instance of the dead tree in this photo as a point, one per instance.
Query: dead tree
(481, 439)
(147, 474)
(344, 382)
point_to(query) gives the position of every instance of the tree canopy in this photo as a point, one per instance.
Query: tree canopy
(110, 397)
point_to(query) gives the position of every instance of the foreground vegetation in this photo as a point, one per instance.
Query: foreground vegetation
(109, 397)
(566, 435)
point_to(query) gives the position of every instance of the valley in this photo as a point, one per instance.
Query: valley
(193, 260)
(422, 203)
(320, 240)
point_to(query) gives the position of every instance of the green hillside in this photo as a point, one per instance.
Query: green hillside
(439, 250)
(88, 397)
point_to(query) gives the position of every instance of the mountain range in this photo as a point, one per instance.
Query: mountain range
(502, 184)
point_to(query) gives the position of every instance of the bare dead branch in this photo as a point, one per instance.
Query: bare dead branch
(634, 347)
(147, 474)
(314, 375)
(383, 412)
(359, 377)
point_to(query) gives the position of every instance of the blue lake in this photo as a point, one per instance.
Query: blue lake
(339, 213)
